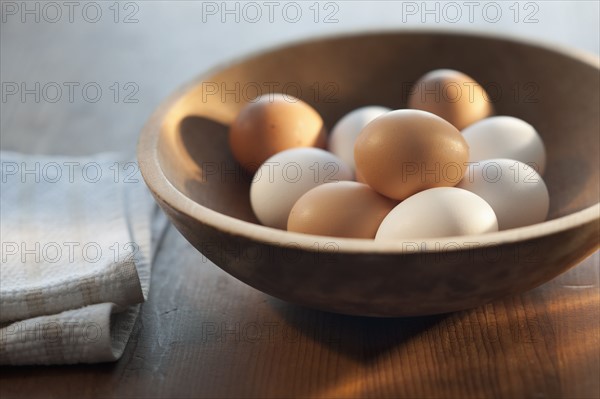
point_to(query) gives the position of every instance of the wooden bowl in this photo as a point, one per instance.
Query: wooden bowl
(185, 160)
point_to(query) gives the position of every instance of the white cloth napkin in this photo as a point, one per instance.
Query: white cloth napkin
(76, 238)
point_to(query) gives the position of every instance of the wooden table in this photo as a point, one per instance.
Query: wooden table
(204, 334)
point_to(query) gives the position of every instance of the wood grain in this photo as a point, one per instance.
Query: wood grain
(204, 334)
(542, 344)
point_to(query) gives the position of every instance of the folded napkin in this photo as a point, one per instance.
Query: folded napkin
(77, 238)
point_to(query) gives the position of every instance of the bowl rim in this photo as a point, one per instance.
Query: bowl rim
(163, 189)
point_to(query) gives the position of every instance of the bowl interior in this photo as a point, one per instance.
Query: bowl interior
(556, 93)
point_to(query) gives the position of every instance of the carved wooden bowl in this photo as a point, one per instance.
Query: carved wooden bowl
(186, 162)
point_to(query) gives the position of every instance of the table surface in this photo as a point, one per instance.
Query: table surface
(202, 333)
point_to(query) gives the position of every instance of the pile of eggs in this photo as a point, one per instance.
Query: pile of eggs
(442, 167)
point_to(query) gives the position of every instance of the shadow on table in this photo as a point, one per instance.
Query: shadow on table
(361, 338)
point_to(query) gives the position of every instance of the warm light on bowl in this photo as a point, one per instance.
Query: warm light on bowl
(185, 160)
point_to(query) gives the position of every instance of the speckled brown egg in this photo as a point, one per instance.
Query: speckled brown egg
(343, 209)
(273, 123)
(451, 95)
(407, 151)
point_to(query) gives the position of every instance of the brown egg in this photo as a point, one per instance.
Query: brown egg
(451, 95)
(407, 151)
(273, 123)
(343, 209)
(358, 177)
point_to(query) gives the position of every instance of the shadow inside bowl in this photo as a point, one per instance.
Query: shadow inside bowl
(220, 182)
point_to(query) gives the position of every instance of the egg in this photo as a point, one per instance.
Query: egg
(272, 123)
(505, 137)
(283, 178)
(438, 212)
(406, 151)
(358, 177)
(342, 209)
(451, 95)
(346, 130)
(515, 191)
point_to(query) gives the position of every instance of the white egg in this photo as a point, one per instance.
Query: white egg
(515, 191)
(286, 176)
(438, 212)
(346, 130)
(505, 137)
